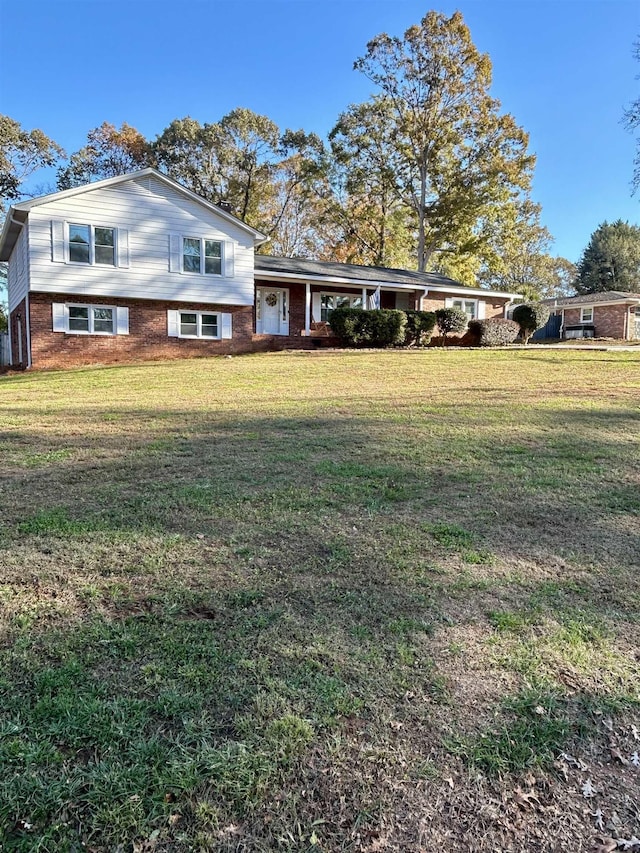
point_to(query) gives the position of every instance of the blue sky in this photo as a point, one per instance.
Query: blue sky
(564, 68)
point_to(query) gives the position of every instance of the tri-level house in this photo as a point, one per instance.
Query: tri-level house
(139, 267)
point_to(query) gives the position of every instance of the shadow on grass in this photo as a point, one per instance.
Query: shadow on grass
(236, 595)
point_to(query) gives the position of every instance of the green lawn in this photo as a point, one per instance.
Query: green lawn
(322, 602)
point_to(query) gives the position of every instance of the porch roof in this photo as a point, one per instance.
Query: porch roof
(330, 272)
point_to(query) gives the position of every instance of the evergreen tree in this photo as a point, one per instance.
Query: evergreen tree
(611, 261)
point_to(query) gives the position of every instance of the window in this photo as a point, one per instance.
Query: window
(586, 315)
(89, 319)
(197, 324)
(469, 306)
(330, 301)
(202, 256)
(92, 245)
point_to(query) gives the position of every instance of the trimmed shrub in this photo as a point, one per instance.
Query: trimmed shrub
(494, 332)
(385, 327)
(346, 324)
(419, 328)
(450, 321)
(357, 327)
(530, 316)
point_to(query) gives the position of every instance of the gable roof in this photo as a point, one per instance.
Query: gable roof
(608, 296)
(355, 274)
(18, 213)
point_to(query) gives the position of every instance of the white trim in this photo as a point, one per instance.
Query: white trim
(307, 309)
(90, 309)
(371, 284)
(475, 302)
(350, 296)
(584, 319)
(629, 300)
(199, 336)
(28, 329)
(283, 310)
(92, 244)
(203, 240)
(122, 320)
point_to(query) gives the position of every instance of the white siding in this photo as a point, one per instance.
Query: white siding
(18, 272)
(149, 210)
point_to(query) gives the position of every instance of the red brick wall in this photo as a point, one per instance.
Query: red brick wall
(609, 320)
(19, 311)
(147, 338)
(493, 307)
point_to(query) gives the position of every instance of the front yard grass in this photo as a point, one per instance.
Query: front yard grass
(322, 602)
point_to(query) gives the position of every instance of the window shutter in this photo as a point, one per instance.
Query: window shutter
(482, 309)
(316, 308)
(122, 247)
(173, 323)
(228, 259)
(225, 323)
(175, 253)
(58, 252)
(122, 321)
(448, 302)
(60, 315)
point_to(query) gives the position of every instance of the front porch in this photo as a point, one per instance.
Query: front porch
(302, 309)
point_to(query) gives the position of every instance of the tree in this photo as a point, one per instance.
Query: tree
(374, 223)
(22, 152)
(611, 260)
(264, 175)
(516, 257)
(110, 151)
(450, 321)
(454, 153)
(232, 160)
(530, 316)
(295, 217)
(632, 123)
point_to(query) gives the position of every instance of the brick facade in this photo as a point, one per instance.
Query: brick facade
(147, 338)
(148, 334)
(17, 330)
(493, 308)
(610, 321)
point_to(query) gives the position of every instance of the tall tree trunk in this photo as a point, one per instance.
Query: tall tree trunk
(422, 261)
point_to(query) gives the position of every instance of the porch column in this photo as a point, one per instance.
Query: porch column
(364, 298)
(307, 310)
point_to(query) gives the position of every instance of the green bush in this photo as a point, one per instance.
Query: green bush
(346, 324)
(357, 327)
(450, 321)
(530, 316)
(494, 332)
(419, 328)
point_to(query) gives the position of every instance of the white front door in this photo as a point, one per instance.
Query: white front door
(274, 311)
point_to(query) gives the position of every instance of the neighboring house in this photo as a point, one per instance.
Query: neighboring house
(608, 314)
(139, 267)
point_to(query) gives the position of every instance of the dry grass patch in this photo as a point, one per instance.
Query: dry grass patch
(322, 601)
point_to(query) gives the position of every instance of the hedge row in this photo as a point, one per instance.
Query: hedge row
(382, 328)
(356, 327)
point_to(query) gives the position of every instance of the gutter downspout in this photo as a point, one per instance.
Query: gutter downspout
(307, 309)
(627, 323)
(27, 312)
(424, 296)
